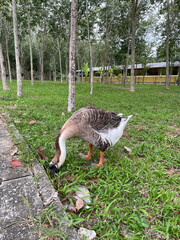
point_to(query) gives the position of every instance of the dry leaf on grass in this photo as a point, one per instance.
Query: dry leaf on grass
(15, 163)
(95, 180)
(68, 177)
(72, 209)
(128, 149)
(171, 135)
(42, 156)
(31, 121)
(170, 172)
(62, 114)
(79, 204)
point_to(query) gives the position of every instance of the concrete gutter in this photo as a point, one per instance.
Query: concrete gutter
(17, 184)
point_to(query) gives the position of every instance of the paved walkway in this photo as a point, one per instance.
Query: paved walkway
(21, 196)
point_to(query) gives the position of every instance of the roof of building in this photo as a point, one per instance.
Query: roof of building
(139, 66)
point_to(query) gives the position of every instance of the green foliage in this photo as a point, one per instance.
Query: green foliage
(86, 69)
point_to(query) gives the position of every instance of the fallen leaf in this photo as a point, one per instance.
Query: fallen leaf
(71, 209)
(170, 172)
(12, 107)
(31, 121)
(68, 196)
(42, 156)
(63, 114)
(15, 163)
(128, 149)
(95, 180)
(171, 135)
(68, 177)
(40, 148)
(79, 204)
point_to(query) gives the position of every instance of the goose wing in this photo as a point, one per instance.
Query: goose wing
(98, 119)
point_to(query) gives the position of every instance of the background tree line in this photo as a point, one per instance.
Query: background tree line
(109, 33)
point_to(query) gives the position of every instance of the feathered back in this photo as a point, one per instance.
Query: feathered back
(98, 119)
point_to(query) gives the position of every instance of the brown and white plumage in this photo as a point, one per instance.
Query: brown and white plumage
(100, 128)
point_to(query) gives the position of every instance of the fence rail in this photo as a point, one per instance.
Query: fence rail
(138, 79)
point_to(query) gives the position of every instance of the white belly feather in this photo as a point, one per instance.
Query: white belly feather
(113, 135)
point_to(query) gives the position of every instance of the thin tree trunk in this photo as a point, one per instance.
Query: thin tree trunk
(30, 47)
(72, 55)
(81, 73)
(134, 8)
(167, 46)
(54, 68)
(66, 68)
(90, 51)
(126, 65)
(178, 76)
(7, 51)
(3, 70)
(60, 62)
(17, 53)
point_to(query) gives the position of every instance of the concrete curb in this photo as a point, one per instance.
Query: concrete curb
(44, 186)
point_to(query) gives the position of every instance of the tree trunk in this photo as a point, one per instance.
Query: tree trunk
(66, 68)
(3, 70)
(90, 51)
(126, 64)
(134, 9)
(54, 68)
(81, 73)
(72, 55)
(178, 76)
(167, 46)
(60, 62)
(17, 53)
(30, 47)
(7, 51)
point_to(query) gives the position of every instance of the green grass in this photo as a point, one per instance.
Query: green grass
(134, 196)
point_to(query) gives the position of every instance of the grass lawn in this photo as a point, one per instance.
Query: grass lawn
(134, 195)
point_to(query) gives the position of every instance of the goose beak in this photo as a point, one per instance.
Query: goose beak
(53, 169)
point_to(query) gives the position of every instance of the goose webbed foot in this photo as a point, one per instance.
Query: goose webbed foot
(101, 162)
(89, 155)
(53, 169)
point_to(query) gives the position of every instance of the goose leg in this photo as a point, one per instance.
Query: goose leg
(101, 162)
(88, 156)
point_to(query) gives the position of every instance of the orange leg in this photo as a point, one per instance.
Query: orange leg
(101, 162)
(88, 156)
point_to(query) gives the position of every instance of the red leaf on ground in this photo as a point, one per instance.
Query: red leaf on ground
(79, 204)
(15, 163)
(31, 121)
(170, 172)
(63, 114)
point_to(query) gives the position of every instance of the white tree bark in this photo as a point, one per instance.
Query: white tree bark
(167, 46)
(3, 70)
(54, 68)
(17, 53)
(90, 51)
(30, 47)
(134, 10)
(7, 50)
(72, 56)
(60, 62)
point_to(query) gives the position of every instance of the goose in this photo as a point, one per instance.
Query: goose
(101, 129)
